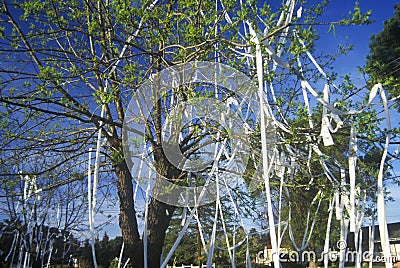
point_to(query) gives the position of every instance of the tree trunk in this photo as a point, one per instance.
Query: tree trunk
(159, 214)
(127, 217)
(158, 221)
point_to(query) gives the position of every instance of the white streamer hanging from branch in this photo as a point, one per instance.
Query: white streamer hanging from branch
(271, 221)
(371, 236)
(327, 235)
(325, 134)
(383, 231)
(352, 176)
(146, 213)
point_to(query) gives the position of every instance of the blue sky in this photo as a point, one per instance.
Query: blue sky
(359, 36)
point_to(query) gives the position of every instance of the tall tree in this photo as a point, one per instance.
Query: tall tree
(383, 62)
(57, 75)
(70, 68)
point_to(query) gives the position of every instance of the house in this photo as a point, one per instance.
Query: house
(394, 240)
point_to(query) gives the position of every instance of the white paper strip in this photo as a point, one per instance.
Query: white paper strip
(383, 231)
(344, 224)
(327, 235)
(271, 221)
(371, 232)
(146, 213)
(352, 176)
(325, 124)
(339, 209)
(214, 229)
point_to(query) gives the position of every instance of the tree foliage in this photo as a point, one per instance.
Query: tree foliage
(63, 63)
(383, 62)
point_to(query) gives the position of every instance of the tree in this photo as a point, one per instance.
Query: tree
(65, 79)
(383, 62)
(15, 242)
(41, 220)
(71, 68)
